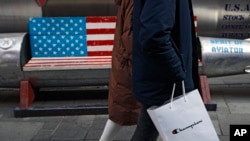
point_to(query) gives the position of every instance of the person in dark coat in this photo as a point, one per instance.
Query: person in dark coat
(123, 109)
(164, 53)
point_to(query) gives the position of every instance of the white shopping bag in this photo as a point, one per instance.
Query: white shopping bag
(184, 118)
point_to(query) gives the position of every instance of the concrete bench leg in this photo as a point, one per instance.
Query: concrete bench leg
(205, 94)
(27, 95)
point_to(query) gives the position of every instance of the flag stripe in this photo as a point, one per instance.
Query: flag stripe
(97, 37)
(100, 25)
(100, 42)
(102, 30)
(101, 19)
(100, 48)
(100, 53)
(100, 35)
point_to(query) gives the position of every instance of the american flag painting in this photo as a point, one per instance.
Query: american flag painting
(79, 43)
(100, 35)
(71, 36)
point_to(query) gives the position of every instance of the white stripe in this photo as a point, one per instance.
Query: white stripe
(100, 25)
(100, 48)
(91, 37)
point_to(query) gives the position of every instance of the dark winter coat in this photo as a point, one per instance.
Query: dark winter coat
(123, 108)
(164, 50)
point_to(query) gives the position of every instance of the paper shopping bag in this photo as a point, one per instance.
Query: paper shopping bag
(184, 118)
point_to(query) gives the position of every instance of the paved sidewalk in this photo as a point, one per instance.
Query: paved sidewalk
(231, 94)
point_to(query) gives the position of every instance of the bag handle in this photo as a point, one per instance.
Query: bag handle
(183, 91)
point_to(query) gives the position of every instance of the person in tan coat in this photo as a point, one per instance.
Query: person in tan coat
(123, 109)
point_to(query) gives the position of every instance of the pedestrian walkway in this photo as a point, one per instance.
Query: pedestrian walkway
(231, 94)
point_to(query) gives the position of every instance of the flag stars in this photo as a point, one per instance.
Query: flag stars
(57, 37)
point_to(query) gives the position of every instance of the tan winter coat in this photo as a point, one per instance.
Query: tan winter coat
(123, 109)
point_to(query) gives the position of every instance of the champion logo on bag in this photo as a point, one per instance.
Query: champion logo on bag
(176, 131)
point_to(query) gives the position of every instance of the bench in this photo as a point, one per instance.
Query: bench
(96, 44)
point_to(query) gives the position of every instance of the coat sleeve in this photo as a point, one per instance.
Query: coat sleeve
(157, 20)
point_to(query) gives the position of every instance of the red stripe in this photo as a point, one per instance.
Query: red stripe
(67, 64)
(101, 19)
(100, 53)
(32, 62)
(101, 31)
(72, 58)
(195, 18)
(100, 42)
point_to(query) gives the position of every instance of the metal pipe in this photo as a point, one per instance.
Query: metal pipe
(14, 15)
(223, 18)
(223, 56)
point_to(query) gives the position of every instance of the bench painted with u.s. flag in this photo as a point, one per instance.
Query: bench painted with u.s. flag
(70, 42)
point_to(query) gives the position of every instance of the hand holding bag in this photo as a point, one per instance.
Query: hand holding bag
(183, 118)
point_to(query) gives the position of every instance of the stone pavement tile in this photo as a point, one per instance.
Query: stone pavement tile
(18, 131)
(93, 134)
(69, 132)
(226, 120)
(43, 134)
(224, 138)
(97, 127)
(73, 128)
(239, 108)
(125, 133)
(99, 122)
(217, 126)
